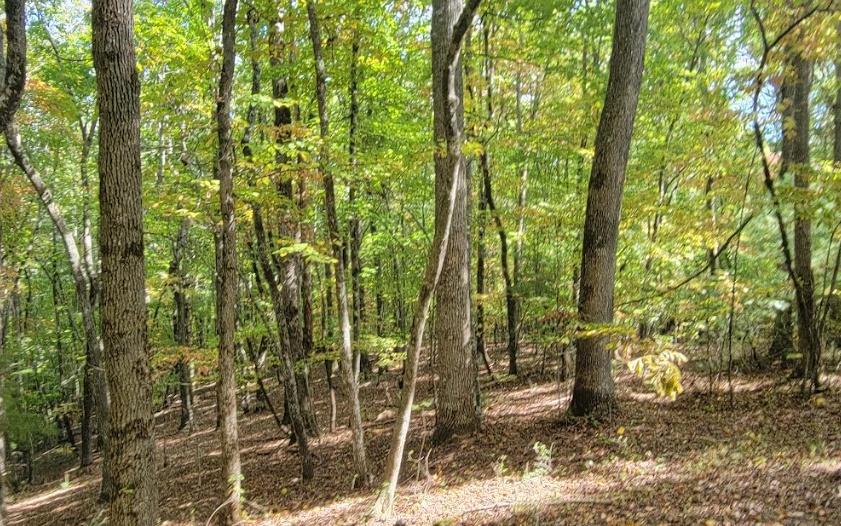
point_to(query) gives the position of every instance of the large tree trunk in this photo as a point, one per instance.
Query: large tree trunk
(134, 498)
(348, 368)
(452, 134)
(796, 151)
(12, 60)
(458, 406)
(231, 479)
(593, 391)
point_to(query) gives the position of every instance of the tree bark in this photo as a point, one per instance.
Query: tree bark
(231, 512)
(348, 368)
(511, 306)
(796, 150)
(134, 498)
(287, 365)
(94, 373)
(355, 226)
(593, 392)
(13, 61)
(435, 262)
(458, 408)
(291, 265)
(181, 323)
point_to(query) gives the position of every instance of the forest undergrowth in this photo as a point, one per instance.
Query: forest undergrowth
(771, 456)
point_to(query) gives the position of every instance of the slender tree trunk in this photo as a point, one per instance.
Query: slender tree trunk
(86, 449)
(435, 261)
(458, 408)
(181, 323)
(94, 371)
(480, 275)
(796, 149)
(89, 381)
(231, 512)
(836, 114)
(327, 336)
(287, 364)
(593, 391)
(3, 424)
(291, 266)
(355, 225)
(348, 369)
(511, 306)
(132, 455)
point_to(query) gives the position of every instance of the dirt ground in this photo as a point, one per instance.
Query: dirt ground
(770, 457)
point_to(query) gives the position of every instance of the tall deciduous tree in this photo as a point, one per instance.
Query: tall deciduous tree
(452, 136)
(458, 407)
(227, 302)
(795, 151)
(12, 81)
(348, 367)
(593, 390)
(134, 500)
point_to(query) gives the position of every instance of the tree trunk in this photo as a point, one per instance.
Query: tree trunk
(796, 149)
(458, 408)
(126, 357)
(593, 391)
(287, 366)
(355, 226)
(231, 512)
(3, 424)
(12, 60)
(480, 276)
(181, 322)
(511, 309)
(348, 369)
(435, 260)
(290, 272)
(82, 285)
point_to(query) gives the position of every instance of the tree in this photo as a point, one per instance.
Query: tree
(348, 368)
(795, 152)
(436, 258)
(85, 297)
(121, 248)
(593, 391)
(458, 407)
(227, 316)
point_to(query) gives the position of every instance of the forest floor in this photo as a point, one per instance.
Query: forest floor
(769, 457)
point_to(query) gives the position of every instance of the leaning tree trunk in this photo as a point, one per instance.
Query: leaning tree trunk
(134, 499)
(458, 406)
(435, 262)
(593, 391)
(231, 512)
(348, 368)
(94, 374)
